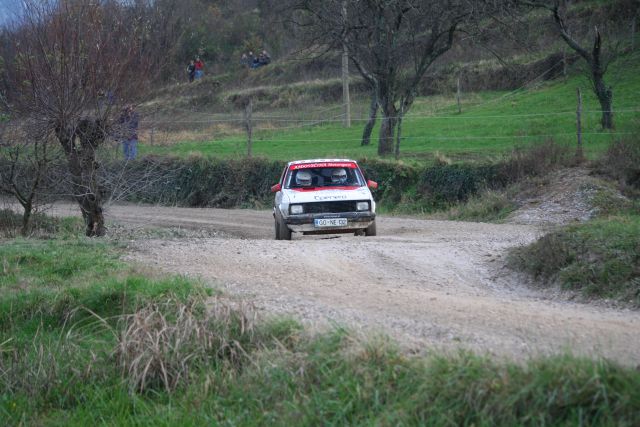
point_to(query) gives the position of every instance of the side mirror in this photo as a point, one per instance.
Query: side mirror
(276, 188)
(372, 184)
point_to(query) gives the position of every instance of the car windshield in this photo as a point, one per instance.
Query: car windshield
(324, 177)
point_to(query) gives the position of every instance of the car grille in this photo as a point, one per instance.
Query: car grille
(330, 207)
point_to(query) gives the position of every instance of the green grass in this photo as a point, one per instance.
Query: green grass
(42, 283)
(65, 371)
(599, 259)
(490, 124)
(41, 225)
(489, 206)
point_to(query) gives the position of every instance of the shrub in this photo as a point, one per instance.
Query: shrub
(443, 185)
(210, 182)
(622, 163)
(534, 160)
(395, 179)
(488, 206)
(599, 259)
(206, 182)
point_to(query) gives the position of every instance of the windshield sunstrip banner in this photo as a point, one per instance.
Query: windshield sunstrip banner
(324, 165)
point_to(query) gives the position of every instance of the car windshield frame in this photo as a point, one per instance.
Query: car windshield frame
(321, 176)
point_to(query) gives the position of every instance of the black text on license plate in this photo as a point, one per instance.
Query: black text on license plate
(330, 222)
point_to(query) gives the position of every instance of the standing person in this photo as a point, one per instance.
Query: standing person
(264, 58)
(199, 64)
(252, 60)
(244, 60)
(129, 123)
(191, 70)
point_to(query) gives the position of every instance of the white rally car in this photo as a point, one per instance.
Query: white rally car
(324, 196)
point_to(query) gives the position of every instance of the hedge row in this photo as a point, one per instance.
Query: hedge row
(210, 182)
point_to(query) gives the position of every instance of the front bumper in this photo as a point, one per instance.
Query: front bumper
(304, 223)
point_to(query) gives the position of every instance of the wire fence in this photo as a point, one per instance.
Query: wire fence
(274, 128)
(198, 126)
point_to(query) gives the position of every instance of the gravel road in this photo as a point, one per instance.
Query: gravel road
(429, 284)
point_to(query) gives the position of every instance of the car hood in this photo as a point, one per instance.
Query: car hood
(328, 195)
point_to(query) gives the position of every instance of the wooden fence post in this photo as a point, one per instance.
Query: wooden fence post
(345, 73)
(458, 97)
(248, 110)
(579, 152)
(633, 33)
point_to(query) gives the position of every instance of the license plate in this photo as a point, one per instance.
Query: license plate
(330, 222)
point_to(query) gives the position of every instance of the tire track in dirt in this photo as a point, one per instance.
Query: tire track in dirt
(430, 284)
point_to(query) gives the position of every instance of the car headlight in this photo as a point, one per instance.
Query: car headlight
(296, 209)
(362, 206)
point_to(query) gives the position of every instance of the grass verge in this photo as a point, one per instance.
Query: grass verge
(489, 206)
(599, 259)
(125, 349)
(41, 225)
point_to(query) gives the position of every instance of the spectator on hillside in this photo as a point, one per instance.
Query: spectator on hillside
(261, 60)
(129, 128)
(191, 70)
(264, 58)
(244, 61)
(251, 59)
(199, 64)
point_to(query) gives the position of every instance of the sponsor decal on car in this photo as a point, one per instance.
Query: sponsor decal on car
(338, 197)
(323, 165)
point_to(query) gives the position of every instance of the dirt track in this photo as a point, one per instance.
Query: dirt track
(430, 284)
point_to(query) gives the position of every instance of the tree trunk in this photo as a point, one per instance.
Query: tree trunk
(605, 96)
(86, 193)
(91, 206)
(373, 113)
(388, 126)
(80, 144)
(387, 132)
(26, 219)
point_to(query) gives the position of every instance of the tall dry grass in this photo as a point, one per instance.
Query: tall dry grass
(161, 344)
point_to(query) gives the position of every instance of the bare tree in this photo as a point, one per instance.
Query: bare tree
(76, 63)
(25, 161)
(392, 43)
(595, 56)
(371, 122)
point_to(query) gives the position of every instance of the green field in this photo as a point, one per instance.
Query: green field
(491, 123)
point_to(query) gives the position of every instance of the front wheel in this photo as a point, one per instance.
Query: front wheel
(371, 230)
(282, 231)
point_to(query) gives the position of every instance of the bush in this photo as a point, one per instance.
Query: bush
(443, 185)
(395, 180)
(210, 182)
(488, 206)
(622, 163)
(599, 259)
(206, 182)
(534, 160)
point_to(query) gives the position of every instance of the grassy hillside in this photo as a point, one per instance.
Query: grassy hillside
(490, 124)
